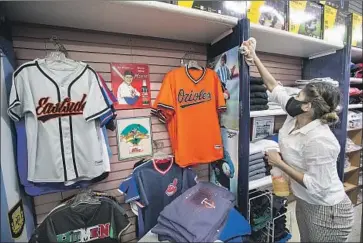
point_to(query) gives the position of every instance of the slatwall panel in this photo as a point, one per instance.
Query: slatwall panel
(98, 50)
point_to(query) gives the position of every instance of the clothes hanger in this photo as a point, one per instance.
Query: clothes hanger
(159, 157)
(60, 56)
(191, 63)
(84, 196)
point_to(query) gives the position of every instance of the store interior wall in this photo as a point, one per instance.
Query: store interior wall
(99, 49)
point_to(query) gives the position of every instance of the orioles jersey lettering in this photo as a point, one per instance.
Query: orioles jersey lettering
(189, 102)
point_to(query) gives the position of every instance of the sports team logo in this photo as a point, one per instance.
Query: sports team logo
(133, 134)
(17, 220)
(208, 203)
(172, 188)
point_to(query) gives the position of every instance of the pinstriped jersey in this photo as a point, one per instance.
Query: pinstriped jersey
(190, 101)
(60, 106)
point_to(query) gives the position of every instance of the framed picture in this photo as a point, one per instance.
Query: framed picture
(134, 137)
(263, 127)
(131, 85)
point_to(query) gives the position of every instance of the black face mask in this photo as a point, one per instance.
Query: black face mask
(293, 107)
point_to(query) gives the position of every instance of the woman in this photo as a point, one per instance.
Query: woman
(309, 153)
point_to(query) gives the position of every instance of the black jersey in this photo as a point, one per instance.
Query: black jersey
(103, 222)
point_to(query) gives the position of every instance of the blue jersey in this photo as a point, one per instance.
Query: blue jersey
(155, 185)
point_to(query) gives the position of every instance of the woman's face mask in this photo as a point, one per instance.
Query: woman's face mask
(293, 107)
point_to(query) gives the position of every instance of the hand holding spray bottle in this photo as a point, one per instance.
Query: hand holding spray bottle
(280, 184)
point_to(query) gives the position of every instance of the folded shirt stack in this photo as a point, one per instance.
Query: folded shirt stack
(258, 95)
(355, 96)
(203, 213)
(356, 70)
(301, 83)
(258, 168)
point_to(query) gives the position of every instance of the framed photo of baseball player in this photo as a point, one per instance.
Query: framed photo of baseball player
(134, 137)
(131, 85)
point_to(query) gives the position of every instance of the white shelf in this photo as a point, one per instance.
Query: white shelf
(265, 181)
(356, 54)
(145, 18)
(272, 40)
(277, 112)
(355, 106)
(356, 80)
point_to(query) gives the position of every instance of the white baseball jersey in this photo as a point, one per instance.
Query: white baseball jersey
(60, 107)
(125, 90)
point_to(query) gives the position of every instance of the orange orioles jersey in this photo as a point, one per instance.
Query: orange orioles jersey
(189, 102)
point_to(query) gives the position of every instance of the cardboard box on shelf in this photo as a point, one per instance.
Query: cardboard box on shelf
(335, 30)
(210, 6)
(230, 8)
(271, 13)
(306, 18)
(357, 30)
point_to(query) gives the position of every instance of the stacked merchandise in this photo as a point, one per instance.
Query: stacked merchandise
(204, 213)
(152, 185)
(258, 168)
(354, 120)
(346, 162)
(260, 214)
(355, 95)
(89, 216)
(280, 231)
(356, 70)
(258, 95)
(64, 120)
(301, 83)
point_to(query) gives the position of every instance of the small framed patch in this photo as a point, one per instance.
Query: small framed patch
(17, 220)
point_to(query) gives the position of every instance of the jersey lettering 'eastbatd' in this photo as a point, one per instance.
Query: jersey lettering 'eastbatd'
(47, 110)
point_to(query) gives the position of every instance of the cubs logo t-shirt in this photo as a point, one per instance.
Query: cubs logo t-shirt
(157, 184)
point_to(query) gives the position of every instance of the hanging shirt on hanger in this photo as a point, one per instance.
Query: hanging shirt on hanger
(192, 100)
(60, 109)
(154, 185)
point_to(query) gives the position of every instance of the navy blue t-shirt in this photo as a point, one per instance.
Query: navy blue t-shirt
(157, 184)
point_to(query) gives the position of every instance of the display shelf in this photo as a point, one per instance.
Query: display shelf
(354, 150)
(355, 106)
(350, 169)
(354, 129)
(356, 80)
(356, 54)
(349, 187)
(282, 42)
(265, 181)
(277, 112)
(145, 18)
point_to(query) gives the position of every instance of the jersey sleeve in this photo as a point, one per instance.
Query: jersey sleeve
(20, 98)
(96, 104)
(129, 188)
(220, 101)
(166, 103)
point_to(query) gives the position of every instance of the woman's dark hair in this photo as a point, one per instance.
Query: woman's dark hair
(324, 99)
(128, 72)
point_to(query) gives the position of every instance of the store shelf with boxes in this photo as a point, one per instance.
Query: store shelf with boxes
(353, 164)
